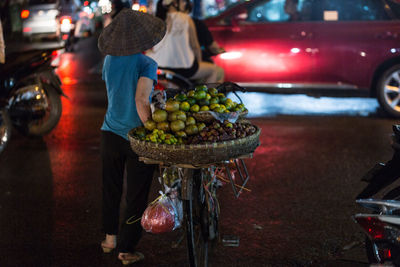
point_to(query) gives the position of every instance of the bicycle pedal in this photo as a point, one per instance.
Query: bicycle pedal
(230, 241)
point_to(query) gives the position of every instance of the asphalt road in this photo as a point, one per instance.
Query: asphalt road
(304, 178)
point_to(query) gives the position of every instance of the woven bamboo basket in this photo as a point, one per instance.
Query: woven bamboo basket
(207, 153)
(205, 116)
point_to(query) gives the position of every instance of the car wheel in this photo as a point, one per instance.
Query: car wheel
(388, 91)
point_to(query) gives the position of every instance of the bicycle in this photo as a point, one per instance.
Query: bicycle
(198, 191)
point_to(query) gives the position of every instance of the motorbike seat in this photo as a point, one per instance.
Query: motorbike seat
(396, 130)
(15, 60)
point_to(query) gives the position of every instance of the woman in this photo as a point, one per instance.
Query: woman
(129, 76)
(180, 51)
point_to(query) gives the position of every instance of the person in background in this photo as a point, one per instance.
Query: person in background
(180, 51)
(129, 76)
(209, 47)
(290, 8)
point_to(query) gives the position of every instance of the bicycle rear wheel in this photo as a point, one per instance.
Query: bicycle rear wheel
(197, 224)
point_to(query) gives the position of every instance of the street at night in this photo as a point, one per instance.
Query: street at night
(298, 210)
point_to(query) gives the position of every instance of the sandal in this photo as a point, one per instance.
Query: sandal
(129, 258)
(109, 243)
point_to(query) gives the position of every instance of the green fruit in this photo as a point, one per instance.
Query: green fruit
(201, 126)
(159, 115)
(191, 101)
(191, 129)
(213, 92)
(204, 108)
(214, 100)
(190, 94)
(200, 95)
(204, 102)
(140, 132)
(172, 105)
(164, 126)
(184, 106)
(177, 126)
(150, 125)
(195, 108)
(219, 109)
(190, 121)
(181, 134)
(201, 88)
(222, 98)
(214, 106)
(181, 115)
(180, 97)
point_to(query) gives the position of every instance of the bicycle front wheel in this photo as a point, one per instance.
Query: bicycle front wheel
(196, 222)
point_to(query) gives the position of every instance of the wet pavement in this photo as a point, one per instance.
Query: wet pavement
(304, 178)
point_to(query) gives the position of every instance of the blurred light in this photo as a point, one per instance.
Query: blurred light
(40, 13)
(264, 104)
(38, 97)
(52, 12)
(136, 6)
(143, 9)
(68, 80)
(66, 20)
(27, 29)
(230, 55)
(285, 85)
(363, 54)
(87, 10)
(24, 14)
(86, 3)
(393, 50)
(66, 24)
(295, 50)
(106, 6)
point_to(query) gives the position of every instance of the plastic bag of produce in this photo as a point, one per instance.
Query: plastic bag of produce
(161, 216)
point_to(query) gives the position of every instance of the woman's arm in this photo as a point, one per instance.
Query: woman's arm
(193, 41)
(143, 91)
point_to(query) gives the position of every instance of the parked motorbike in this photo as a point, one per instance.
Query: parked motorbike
(30, 94)
(382, 224)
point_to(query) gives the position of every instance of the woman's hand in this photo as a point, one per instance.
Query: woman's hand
(143, 91)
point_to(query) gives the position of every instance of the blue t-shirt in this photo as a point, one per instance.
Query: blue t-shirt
(121, 75)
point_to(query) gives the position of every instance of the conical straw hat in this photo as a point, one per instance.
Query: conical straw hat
(131, 32)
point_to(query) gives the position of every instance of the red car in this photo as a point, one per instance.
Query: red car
(314, 46)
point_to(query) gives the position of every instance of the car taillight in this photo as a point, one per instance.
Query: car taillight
(24, 14)
(66, 20)
(372, 226)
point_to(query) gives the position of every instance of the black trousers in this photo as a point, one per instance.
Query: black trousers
(116, 156)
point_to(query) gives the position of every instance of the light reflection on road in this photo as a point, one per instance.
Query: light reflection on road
(263, 104)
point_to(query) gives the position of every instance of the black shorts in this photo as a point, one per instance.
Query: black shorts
(187, 73)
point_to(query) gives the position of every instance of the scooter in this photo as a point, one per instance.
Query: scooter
(30, 94)
(382, 224)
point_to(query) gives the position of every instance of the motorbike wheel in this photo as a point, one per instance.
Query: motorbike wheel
(5, 129)
(374, 249)
(53, 114)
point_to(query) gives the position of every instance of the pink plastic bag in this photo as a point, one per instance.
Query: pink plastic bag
(160, 217)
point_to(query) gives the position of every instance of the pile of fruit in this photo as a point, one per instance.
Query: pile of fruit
(176, 124)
